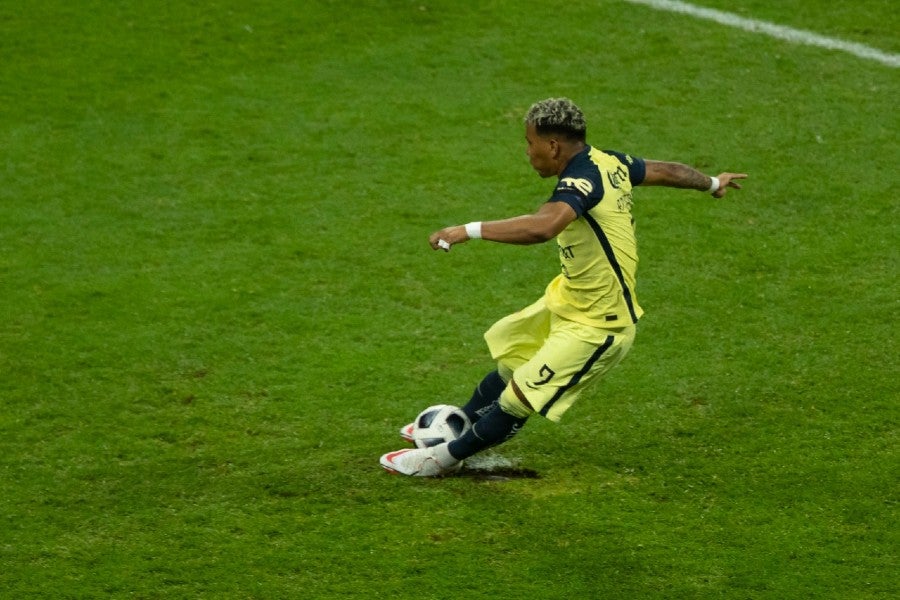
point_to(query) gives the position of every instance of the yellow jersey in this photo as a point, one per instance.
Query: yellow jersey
(598, 250)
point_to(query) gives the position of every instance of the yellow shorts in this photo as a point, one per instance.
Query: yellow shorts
(551, 360)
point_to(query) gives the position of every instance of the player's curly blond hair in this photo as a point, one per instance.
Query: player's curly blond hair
(558, 116)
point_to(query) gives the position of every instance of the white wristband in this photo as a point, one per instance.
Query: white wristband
(473, 230)
(714, 186)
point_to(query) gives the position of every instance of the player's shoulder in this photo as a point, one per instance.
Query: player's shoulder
(581, 176)
(623, 157)
(582, 166)
(635, 165)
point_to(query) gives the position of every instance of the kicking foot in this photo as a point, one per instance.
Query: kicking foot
(419, 462)
(406, 432)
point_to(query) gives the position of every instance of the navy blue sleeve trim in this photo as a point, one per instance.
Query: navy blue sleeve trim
(575, 202)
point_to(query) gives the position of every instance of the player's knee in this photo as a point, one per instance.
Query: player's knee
(512, 405)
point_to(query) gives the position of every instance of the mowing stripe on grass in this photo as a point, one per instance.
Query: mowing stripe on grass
(797, 36)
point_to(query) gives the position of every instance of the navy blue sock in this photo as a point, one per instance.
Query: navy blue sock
(495, 427)
(486, 393)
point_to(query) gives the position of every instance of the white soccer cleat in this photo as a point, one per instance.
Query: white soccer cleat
(406, 432)
(418, 462)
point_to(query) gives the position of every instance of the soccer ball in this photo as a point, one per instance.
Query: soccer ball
(438, 424)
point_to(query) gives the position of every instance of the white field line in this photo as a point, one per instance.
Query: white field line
(797, 36)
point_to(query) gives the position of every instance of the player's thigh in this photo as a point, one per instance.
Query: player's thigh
(517, 337)
(571, 359)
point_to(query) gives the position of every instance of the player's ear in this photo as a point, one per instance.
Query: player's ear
(554, 147)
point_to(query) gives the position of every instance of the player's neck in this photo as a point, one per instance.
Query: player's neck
(568, 151)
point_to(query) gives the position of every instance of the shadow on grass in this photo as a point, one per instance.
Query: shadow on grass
(497, 473)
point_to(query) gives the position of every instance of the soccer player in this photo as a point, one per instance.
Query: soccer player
(548, 353)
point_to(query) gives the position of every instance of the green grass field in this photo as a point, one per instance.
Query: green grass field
(219, 305)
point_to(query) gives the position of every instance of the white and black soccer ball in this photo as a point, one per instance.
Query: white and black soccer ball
(438, 424)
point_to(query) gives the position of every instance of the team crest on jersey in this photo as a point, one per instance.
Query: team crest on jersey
(582, 185)
(617, 177)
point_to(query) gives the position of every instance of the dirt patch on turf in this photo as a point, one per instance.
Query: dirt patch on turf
(498, 474)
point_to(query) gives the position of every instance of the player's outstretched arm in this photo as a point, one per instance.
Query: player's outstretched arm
(677, 175)
(545, 224)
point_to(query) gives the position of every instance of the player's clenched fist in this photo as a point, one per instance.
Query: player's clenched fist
(446, 237)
